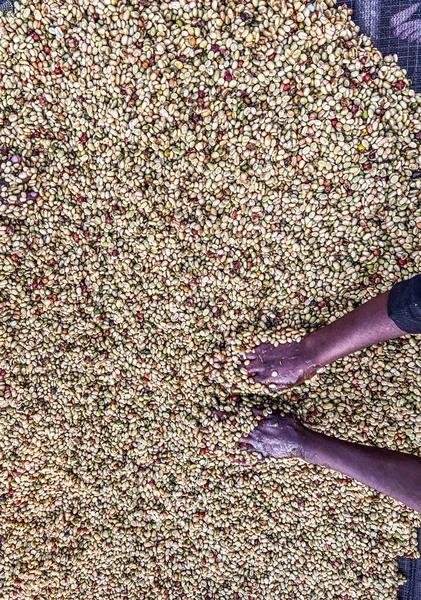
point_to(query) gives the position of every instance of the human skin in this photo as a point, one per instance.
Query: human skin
(395, 474)
(288, 365)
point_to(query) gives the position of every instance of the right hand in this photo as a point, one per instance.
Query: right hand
(277, 436)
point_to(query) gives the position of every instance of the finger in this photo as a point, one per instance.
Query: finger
(250, 438)
(263, 377)
(256, 436)
(248, 447)
(258, 351)
(255, 367)
(243, 440)
(253, 361)
(275, 386)
(279, 387)
(274, 416)
(243, 444)
(273, 420)
(218, 413)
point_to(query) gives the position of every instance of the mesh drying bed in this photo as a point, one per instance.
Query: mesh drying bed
(6, 5)
(395, 28)
(393, 25)
(411, 568)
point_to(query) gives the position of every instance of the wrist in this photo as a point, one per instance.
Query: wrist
(303, 441)
(312, 347)
(366, 325)
(309, 445)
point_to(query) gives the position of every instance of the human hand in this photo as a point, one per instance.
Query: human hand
(281, 367)
(277, 436)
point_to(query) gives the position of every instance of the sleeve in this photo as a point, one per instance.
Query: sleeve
(404, 305)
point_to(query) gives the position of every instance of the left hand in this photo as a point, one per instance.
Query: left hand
(281, 367)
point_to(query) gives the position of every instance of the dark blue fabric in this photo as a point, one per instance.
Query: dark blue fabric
(404, 305)
(411, 568)
(7, 5)
(395, 28)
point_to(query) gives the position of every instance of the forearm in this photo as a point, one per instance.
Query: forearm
(393, 473)
(366, 325)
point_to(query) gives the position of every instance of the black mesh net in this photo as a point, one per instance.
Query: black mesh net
(6, 5)
(395, 28)
(393, 25)
(411, 568)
